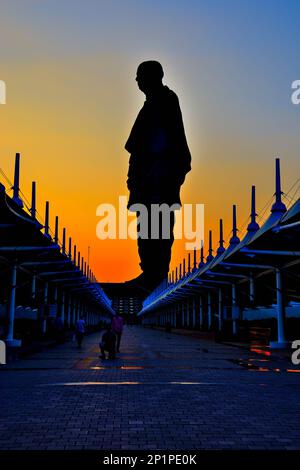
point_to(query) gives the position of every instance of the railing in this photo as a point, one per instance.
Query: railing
(42, 270)
(260, 269)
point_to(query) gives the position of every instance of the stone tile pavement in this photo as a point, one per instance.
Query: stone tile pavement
(164, 391)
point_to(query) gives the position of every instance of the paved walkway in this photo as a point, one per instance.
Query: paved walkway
(165, 391)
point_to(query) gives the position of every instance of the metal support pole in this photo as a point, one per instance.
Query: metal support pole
(74, 255)
(16, 186)
(47, 219)
(70, 248)
(210, 257)
(56, 230)
(63, 248)
(33, 200)
(195, 260)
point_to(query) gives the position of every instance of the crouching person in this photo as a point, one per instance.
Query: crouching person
(108, 344)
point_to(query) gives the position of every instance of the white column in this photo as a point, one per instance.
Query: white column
(194, 312)
(72, 310)
(220, 309)
(209, 310)
(63, 306)
(33, 287)
(187, 314)
(200, 312)
(75, 311)
(79, 309)
(68, 309)
(55, 299)
(45, 302)
(252, 289)
(10, 341)
(234, 309)
(281, 341)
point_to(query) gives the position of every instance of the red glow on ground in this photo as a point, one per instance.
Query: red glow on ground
(260, 351)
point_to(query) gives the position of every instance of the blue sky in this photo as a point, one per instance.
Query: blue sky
(70, 69)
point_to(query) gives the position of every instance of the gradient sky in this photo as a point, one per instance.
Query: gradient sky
(69, 67)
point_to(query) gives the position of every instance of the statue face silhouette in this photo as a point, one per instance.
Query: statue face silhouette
(145, 83)
(149, 76)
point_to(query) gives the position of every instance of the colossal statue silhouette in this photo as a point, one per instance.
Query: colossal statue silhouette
(159, 160)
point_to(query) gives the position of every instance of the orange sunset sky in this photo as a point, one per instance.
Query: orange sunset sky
(69, 68)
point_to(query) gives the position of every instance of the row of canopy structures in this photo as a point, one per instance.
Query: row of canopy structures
(39, 271)
(261, 269)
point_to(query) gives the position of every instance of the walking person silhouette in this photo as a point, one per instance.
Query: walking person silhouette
(159, 161)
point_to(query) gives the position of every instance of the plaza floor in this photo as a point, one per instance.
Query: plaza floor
(164, 391)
